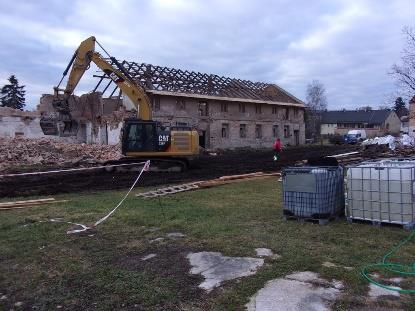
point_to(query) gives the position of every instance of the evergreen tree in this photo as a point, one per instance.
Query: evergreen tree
(400, 107)
(12, 95)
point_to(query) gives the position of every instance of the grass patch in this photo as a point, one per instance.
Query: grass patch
(44, 268)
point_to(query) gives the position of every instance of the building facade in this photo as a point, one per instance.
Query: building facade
(228, 113)
(231, 124)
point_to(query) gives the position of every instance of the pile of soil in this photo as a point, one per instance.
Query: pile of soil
(207, 166)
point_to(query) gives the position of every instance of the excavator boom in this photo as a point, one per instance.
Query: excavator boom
(62, 122)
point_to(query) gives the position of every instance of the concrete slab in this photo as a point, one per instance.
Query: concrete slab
(296, 292)
(376, 292)
(396, 280)
(337, 284)
(217, 268)
(266, 252)
(263, 252)
(307, 276)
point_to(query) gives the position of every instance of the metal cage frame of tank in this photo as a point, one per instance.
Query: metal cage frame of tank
(313, 195)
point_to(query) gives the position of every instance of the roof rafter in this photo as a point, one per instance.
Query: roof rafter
(157, 78)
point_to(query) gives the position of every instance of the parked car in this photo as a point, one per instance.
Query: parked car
(336, 139)
(355, 136)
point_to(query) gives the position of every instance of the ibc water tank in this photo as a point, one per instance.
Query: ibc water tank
(313, 192)
(382, 191)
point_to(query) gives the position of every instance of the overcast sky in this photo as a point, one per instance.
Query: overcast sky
(347, 45)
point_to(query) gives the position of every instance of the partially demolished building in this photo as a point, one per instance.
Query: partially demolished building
(17, 123)
(228, 113)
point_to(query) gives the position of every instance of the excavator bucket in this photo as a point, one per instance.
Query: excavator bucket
(49, 125)
(69, 128)
(59, 123)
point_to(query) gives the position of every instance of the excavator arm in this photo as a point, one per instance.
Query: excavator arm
(79, 63)
(142, 138)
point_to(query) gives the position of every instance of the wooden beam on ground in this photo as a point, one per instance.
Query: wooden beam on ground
(219, 182)
(6, 204)
(28, 203)
(231, 177)
(341, 155)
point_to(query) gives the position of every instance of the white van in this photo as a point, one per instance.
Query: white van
(355, 136)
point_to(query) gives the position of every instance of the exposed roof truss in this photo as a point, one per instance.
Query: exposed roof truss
(157, 78)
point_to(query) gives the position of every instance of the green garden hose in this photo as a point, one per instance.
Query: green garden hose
(398, 268)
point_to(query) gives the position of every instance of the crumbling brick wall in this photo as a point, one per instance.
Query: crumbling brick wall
(17, 123)
(99, 119)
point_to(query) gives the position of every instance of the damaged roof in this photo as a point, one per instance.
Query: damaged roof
(157, 79)
(357, 116)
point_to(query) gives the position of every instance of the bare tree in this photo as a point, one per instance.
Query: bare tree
(404, 72)
(316, 103)
(365, 108)
(316, 99)
(384, 107)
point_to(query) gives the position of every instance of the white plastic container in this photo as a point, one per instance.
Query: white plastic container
(382, 191)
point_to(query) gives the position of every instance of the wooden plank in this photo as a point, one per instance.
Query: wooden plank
(31, 205)
(218, 182)
(344, 154)
(230, 177)
(26, 202)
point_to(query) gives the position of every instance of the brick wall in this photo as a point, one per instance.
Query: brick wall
(225, 118)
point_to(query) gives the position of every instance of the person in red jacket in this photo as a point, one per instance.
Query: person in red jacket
(277, 149)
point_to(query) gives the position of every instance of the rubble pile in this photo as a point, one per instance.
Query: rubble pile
(92, 108)
(29, 152)
(404, 142)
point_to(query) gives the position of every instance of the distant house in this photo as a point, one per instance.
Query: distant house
(375, 122)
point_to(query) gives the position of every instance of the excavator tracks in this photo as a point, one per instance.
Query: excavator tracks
(163, 165)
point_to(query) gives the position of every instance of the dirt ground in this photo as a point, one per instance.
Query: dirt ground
(205, 167)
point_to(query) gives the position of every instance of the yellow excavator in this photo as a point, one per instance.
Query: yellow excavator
(170, 149)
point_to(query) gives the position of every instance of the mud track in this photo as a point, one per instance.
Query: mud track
(206, 167)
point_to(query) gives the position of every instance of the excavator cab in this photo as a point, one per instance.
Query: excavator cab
(144, 136)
